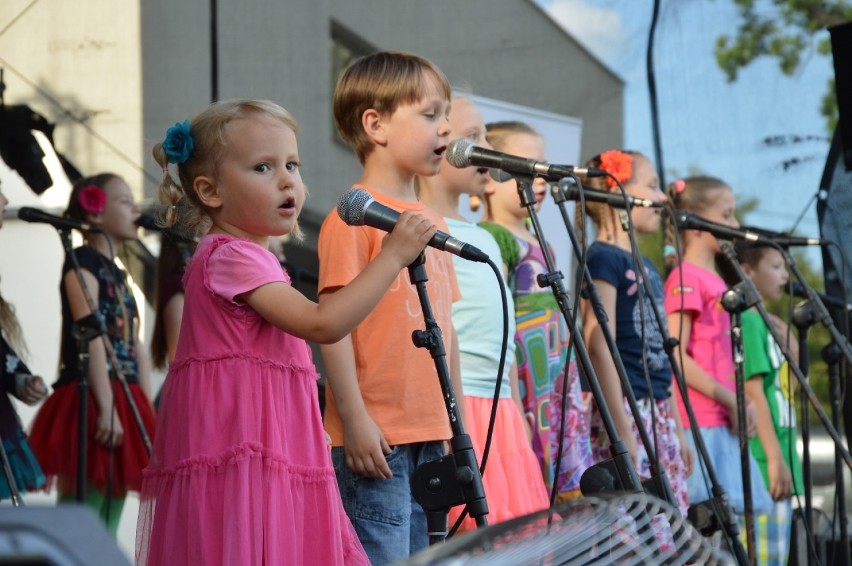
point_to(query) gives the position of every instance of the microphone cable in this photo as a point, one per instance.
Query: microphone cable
(492, 419)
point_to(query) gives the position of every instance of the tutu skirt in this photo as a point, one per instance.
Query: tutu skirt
(241, 473)
(54, 441)
(513, 482)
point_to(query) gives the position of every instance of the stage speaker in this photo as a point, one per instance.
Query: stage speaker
(65, 535)
(841, 49)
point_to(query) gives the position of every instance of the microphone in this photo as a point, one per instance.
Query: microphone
(358, 208)
(785, 240)
(28, 214)
(799, 291)
(462, 153)
(149, 222)
(569, 190)
(689, 221)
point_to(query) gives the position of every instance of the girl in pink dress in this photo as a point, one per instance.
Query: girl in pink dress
(241, 473)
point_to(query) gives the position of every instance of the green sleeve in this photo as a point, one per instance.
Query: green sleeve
(755, 346)
(509, 249)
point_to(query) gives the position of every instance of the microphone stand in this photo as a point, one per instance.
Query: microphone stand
(832, 356)
(822, 315)
(453, 479)
(736, 300)
(803, 318)
(85, 330)
(658, 483)
(620, 473)
(721, 515)
(728, 250)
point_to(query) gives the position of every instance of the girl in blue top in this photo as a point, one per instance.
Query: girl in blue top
(637, 335)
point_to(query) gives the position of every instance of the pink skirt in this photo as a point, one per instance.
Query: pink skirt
(240, 473)
(512, 481)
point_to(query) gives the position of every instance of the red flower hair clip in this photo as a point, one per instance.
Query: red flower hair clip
(618, 164)
(92, 199)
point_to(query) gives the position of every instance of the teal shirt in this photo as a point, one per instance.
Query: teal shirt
(763, 357)
(478, 315)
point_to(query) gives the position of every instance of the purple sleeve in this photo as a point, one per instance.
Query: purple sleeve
(683, 291)
(241, 266)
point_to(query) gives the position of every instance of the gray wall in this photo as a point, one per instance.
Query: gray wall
(503, 49)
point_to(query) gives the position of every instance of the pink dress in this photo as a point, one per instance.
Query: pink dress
(240, 473)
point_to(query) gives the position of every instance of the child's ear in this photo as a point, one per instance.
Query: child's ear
(207, 191)
(93, 218)
(747, 270)
(374, 126)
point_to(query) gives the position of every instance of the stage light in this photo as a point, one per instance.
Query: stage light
(19, 147)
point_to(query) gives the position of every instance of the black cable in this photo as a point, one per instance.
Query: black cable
(492, 419)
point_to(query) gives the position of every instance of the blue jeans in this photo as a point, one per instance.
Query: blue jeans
(723, 448)
(390, 524)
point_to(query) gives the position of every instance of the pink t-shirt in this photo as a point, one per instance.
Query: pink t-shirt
(699, 292)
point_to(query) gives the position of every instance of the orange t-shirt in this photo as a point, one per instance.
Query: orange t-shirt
(398, 381)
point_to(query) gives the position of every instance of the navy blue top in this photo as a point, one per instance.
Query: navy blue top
(121, 319)
(615, 266)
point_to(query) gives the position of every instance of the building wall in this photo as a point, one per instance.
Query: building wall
(503, 49)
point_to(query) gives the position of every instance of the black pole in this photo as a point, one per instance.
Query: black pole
(737, 300)
(454, 479)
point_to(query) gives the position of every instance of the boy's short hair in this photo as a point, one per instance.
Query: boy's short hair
(382, 81)
(750, 253)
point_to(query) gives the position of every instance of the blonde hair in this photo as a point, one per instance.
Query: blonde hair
(381, 81)
(497, 134)
(693, 194)
(10, 328)
(208, 135)
(599, 212)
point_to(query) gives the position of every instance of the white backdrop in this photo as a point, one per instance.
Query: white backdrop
(562, 145)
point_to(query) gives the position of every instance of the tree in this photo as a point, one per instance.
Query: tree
(786, 30)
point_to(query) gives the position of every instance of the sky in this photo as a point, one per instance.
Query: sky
(708, 124)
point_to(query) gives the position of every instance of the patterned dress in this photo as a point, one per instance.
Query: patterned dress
(541, 340)
(26, 472)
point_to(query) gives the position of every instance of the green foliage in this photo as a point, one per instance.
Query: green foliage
(784, 30)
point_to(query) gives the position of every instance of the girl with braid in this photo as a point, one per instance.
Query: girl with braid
(632, 323)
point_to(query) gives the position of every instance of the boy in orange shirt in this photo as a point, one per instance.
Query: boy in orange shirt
(384, 406)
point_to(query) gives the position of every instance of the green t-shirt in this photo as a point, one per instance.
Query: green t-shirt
(764, 357)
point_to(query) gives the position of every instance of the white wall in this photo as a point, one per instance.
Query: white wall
(562, 136)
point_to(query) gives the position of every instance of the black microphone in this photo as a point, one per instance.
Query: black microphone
(689, 221)
(799, 291)
(28, 214)
(785, 240)
(569, 190)
(358, 208)
(462, 153)
(150, 222)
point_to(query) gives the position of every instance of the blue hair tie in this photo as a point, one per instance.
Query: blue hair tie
(178, 144)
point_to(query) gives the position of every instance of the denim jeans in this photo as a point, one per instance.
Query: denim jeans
(390, 524)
